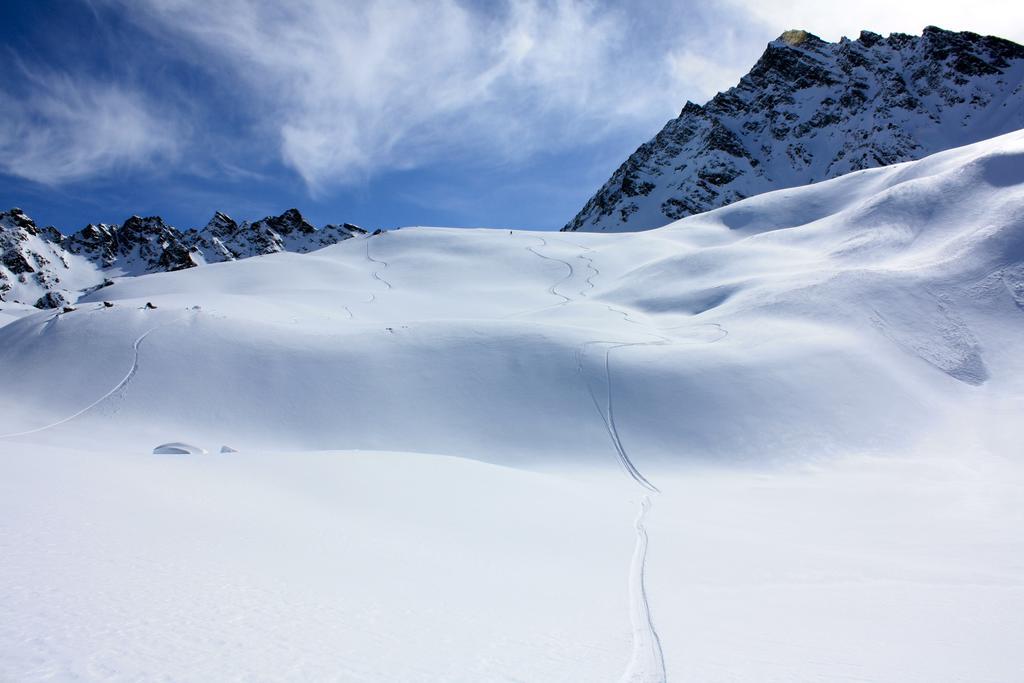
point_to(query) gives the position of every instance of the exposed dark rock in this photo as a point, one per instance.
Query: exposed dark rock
(810, 110)
(50, 300)
(34, 260)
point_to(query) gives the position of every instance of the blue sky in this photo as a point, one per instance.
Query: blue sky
(390, 113)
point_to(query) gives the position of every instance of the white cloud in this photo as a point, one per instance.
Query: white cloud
(68, 128)
(341, 90)
(348, 89)
(831, 21)
(702, 75)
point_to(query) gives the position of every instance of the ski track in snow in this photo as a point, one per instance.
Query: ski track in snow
(647, 662)
(607, 412)
(594, 271)
(120, 385)
(553, 289)
(647, 665)
(376, 274)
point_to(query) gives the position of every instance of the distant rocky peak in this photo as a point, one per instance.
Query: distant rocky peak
(221, 225)
(792, 61)
(331, 233)
(150, 226)
(98, 230)
(869, 38)
(31, 258)
(796, 37)
(16, 219)
(354, 229)
(289, 222)
(810, 110)
(35, 263)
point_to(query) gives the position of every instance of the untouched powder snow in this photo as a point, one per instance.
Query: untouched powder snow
(776, 441)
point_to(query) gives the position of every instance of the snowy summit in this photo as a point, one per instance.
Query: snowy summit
(810, 110)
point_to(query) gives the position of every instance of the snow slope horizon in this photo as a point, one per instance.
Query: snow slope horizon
(861, 332)
(872, 312)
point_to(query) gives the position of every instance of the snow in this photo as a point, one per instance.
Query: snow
(777, 441)
(10, 311)
(813, 110)
(178, 448)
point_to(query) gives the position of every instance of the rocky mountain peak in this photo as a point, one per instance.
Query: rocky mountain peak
(796, 37)
(810, 110)
(289, 222)
(17, 220)
(151, 225)
(220, 225)
(41, 266)
(868, 38)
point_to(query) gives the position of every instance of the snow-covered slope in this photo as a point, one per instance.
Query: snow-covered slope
(42, 267)
(822, 382)
(876, 291)
(811, 110)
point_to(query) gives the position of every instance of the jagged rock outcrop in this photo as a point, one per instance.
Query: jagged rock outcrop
(32, 262)
(333, 233)
(810, 110)
(139, 245)
(225, 240)
(44, 268)
(214, 240)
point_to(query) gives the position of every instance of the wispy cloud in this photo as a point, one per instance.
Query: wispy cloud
(341, 92)
(348, 89)
(65, 128)
(997, 17)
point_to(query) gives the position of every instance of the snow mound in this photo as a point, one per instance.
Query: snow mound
(178, 448)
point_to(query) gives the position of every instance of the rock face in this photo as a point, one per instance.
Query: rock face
(225, 240)
(44, 268)
(34, 267)
(139, 245)
(810, 110)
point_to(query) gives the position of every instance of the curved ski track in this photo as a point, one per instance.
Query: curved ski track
(376, 274)
(647, 664)
(118, 387)
(553, 289)
(607, 413)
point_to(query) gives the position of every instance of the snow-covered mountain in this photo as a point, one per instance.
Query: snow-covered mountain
(44, 268)
(225, 240)
(437, 426)
(810, 110)
(139, 245)
(36, 268)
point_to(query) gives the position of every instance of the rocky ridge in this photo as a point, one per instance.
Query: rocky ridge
(44, 268)
(810, 110)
